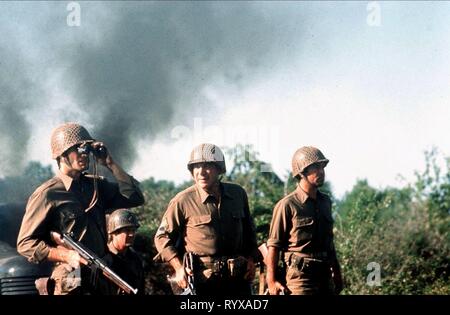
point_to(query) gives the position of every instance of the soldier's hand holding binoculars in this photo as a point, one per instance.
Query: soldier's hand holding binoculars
(98, 150)
(101, 153)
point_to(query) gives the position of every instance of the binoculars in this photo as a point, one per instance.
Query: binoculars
(99, 152)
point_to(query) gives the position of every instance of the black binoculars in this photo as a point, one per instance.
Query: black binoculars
(100, 152)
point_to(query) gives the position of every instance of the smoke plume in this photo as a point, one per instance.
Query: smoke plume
(15, 97)
(131, 68)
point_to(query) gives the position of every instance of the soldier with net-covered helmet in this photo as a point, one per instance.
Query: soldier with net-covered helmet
(122, 225)
(302, 230)
(210, 221)
(74, 202)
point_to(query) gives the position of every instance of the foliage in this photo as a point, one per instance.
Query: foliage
(19, 188)
(403, 230)
(263, 187)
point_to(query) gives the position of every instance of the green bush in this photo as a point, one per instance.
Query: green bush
(405, 231)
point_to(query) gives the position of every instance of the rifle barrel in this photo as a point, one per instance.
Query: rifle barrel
(92, 259)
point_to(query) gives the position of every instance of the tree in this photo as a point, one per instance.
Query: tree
(19, 188)
(404, 231)
(263, 188)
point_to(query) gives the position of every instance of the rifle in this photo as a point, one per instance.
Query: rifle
(95, 262)
(280, 272)
(188, 262)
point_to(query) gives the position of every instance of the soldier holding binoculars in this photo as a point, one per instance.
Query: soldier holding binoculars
(74, 202)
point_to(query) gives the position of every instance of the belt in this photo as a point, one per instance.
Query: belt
(296, 258)
(217, 264)
(225, 265)
(212, 259)
(317, 255)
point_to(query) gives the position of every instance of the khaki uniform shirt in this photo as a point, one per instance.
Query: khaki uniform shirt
(302, 224)
(193, 223)
(61, 202)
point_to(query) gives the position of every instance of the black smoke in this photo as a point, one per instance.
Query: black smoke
(15, 97)
(155, 58)
(134, 68)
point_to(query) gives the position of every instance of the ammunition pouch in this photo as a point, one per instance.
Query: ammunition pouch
(224, 267)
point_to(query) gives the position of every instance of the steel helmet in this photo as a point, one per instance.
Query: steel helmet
(66, 136)
(304, 157)
(122, 218)
(207, 152)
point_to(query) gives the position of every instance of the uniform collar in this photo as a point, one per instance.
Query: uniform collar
(204, 195)
(303, 196)
(67, 180)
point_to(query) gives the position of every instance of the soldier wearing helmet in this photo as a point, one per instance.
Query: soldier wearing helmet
(124, 260)
(302, 229)
(74, 202)
(211, 220)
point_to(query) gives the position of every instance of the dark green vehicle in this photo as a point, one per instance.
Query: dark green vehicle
(17, 275)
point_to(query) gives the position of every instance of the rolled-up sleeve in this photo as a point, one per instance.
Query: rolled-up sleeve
(33, 232)
(170, 232)
(279, 226)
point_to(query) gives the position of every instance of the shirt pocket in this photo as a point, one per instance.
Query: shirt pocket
(199, 228)
(72, 218)
(304, 229)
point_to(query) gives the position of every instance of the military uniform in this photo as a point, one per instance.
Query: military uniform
(302, 228)
(59, 205)
(129, 266)
(217, 233)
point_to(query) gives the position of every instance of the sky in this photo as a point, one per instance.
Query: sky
(366, 82)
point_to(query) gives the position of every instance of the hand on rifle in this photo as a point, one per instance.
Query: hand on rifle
(275, 287)
(181, 276)
(63, 254)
